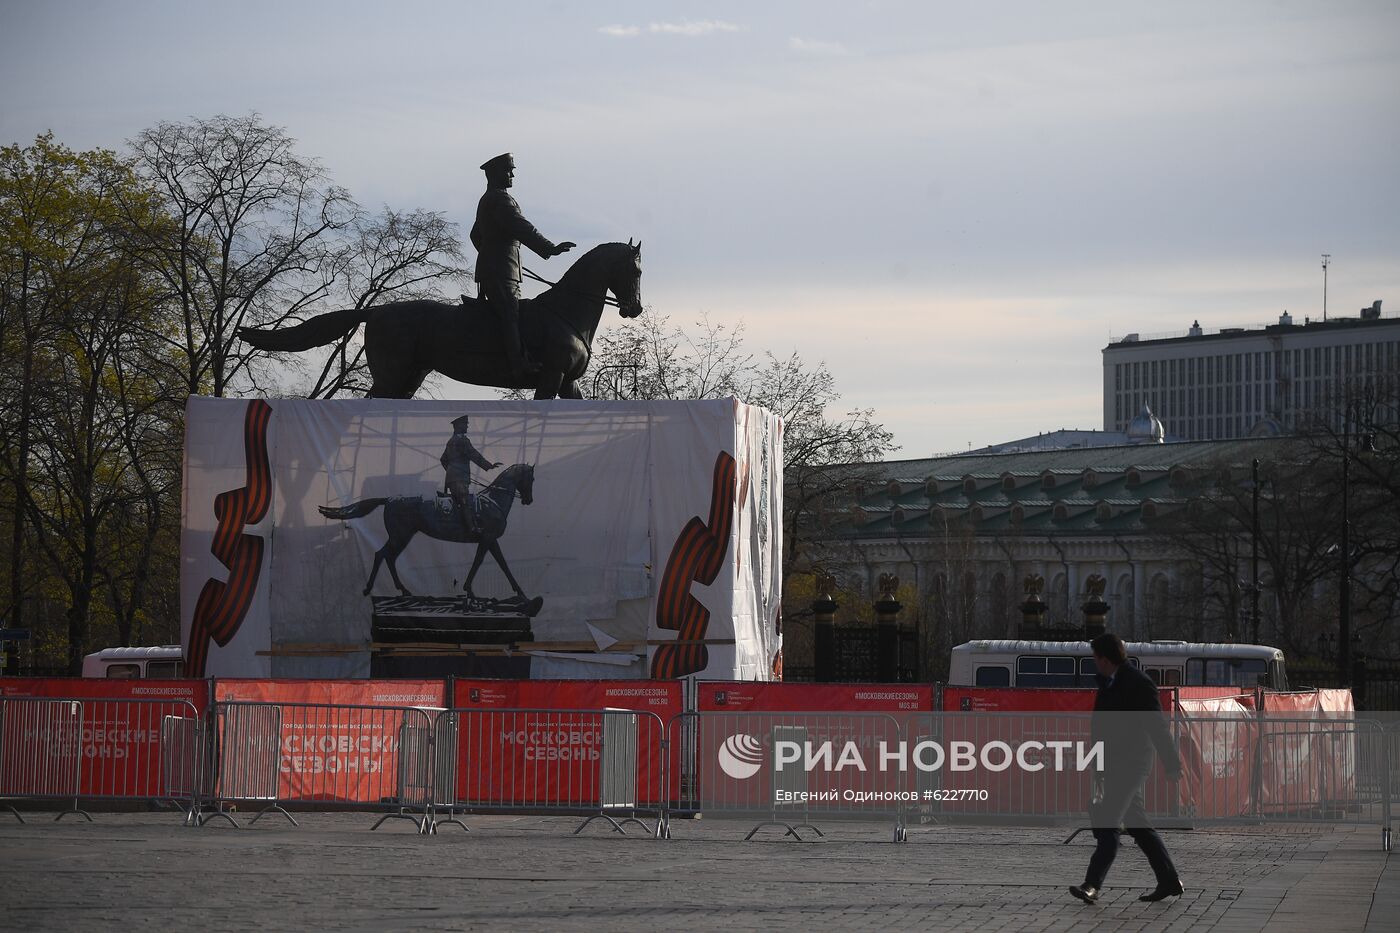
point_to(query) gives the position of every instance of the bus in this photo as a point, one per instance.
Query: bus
(165, 662)
(1007, 663)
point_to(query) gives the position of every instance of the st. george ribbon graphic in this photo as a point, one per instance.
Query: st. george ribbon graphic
(222, 605)
(696, 557)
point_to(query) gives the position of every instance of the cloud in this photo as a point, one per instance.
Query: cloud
(703, 27)
(817, 46)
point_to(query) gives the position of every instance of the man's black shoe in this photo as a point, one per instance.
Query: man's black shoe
(1165, 891)
(1086, 893)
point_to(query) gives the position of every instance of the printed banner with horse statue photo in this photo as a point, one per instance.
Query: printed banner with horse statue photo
(384, 537)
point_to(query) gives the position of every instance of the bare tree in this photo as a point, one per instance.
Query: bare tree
(1300, 515)
(650, 358)
(252, 239)
(827, 457)
(1357, 438)
(394, 256)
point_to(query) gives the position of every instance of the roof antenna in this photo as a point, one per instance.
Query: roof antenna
(1326, 261)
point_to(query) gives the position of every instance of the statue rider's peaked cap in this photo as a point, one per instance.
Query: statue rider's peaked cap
(501, 163)
(460, 423)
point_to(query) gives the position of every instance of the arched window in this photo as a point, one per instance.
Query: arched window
(1124, 612)
(1056, 600)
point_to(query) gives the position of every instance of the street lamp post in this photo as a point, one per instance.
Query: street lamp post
(1254, 557)
(1326, 261)
(1344, 647)
(1344, 597)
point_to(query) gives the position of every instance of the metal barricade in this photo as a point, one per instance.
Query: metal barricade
(787, 770)
(184, 763)
(414, 789)
(247, 759)
(618, 772)
(98, 750)
(1236, 768)
(603, 764)
(1325, 768)
(1390, 764)
(446, 727)
(41, 751)
(345, 756)
(994, 767)
(791, 788)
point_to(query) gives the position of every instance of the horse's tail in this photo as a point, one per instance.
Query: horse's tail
(313, 332)
(353, 510)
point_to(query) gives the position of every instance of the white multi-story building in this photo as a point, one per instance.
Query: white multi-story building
(1238, 382)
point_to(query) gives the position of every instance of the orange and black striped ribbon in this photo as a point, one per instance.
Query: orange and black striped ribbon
(696, 557)
(222, 605)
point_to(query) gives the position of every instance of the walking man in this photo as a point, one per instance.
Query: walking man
(457, 459)
(499, 230)
(1128, 720)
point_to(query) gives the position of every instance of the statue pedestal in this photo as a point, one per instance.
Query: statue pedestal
(438, 636)
(460, 620)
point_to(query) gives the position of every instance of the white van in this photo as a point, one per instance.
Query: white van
(162, 663)
(1006, 663)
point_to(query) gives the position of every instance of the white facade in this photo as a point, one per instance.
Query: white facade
(1238, 382)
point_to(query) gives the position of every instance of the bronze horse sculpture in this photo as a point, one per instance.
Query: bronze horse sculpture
(407, 340)
(406, 516)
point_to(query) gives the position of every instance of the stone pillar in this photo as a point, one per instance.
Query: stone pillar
(1095, 609)
(1032, 610)
(1072, 591)
(887, 630)
(824, 634)
(1139, 628)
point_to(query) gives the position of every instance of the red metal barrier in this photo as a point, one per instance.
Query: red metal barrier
(727, 696)
(120, 740)
(1217, 740)
(1305, 769)
(333, 746)
(827, 714)
(515, 764)
(1045, 700)
(1017, 700)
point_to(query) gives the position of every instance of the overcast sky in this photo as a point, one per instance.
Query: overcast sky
(955, 205)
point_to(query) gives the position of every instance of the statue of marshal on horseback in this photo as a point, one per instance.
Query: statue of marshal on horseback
(541, 344)
(499, 230)
(457, 459)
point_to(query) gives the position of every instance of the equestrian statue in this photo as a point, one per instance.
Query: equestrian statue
(496, 339)
(407, 516)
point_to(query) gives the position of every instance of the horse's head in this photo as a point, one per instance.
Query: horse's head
(524, 482)
(625, 279)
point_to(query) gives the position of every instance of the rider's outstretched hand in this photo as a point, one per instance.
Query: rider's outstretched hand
(564, 247)
(496, 465)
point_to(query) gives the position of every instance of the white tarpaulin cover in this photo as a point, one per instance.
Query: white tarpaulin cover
(648, 522)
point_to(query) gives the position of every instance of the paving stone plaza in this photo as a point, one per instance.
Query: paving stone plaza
(130, 870)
